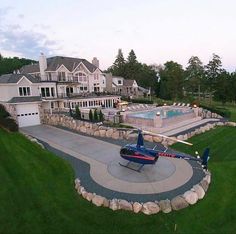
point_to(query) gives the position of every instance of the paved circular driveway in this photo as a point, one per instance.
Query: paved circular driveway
(96, 163)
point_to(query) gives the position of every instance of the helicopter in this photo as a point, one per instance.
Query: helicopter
(139, 154)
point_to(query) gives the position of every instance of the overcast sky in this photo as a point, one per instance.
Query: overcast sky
(157, 30)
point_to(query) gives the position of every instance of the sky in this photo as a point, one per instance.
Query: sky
(157, 30)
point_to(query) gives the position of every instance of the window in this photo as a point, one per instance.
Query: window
(52, 92)
(24, 91)
(80, 77)
(45, 92)
(119, 82)
(61, 76)
(49, 76)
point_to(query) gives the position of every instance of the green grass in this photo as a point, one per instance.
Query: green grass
(37, 194)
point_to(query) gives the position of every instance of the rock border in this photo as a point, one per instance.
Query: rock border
(96, 130)
(189, 198)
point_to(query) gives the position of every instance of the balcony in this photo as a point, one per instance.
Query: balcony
(68, 79)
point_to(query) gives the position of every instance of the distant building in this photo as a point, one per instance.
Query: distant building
(124, 87)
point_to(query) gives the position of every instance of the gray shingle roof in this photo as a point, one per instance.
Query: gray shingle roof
(25, 99)
(33, 68)
(54, 63)
(14, 78)
(128, 82)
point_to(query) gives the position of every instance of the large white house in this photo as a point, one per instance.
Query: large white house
(56, 83)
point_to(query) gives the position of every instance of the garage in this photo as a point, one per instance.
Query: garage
(27, 114)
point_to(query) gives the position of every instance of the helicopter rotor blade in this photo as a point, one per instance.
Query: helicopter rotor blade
(171, 138)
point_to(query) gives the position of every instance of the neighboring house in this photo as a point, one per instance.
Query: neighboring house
(124, 87)
(57, 83)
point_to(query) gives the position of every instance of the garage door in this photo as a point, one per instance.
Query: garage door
(27, 115)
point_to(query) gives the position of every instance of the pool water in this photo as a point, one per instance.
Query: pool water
(164, 113)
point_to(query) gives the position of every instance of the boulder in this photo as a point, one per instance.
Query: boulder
(102, 133)
(89, 196)
(178, 203)
(137, 207)
(191, 197)
(150, 208)
(165, 206)
(148, 138)
(90, 131)
(114, 204)
(115, 135)
(98, 200)
(125, 205)
(84, 194)
(133, 136)
(109, 132)
(208, 178)
(106, 202)
(204, 185)
(96, 133)
(83, 129)
(157, 139)
(80, 189)
(199, 191)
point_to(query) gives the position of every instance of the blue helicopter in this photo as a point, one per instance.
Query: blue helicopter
(139, 154)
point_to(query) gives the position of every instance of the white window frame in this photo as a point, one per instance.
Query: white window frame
(27, 95)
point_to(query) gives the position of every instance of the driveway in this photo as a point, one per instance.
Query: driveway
(103, 158)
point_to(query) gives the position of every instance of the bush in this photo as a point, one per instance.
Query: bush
(6, 121)
(95, 115)
(9, 123)
(101, 116)
(90, 115)
(144, 101)
(77, 113)
(3, 112)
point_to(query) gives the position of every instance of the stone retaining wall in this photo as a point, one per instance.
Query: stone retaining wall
(190, 197)
(94, 129)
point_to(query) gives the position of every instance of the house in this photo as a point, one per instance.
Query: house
(124, 87)
(54, 84)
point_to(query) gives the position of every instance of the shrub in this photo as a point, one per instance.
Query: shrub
(77, 113)
(3, 112)
(101, 116)
(95, 115)
(90, 115)
(9, 123)
(144, 101)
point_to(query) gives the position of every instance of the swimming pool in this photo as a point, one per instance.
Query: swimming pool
(164, 113)
(168, 115)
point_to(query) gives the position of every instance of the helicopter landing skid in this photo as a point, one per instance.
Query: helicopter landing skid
(127, 166)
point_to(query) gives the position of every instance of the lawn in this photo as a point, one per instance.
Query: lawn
(37, 194)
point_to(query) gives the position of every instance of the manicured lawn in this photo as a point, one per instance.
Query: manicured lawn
(37, 194)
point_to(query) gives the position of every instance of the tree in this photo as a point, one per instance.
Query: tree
(101, 116)
(222, 87)
(194, 75)
(171, 81)
(118, 67)
(77, 112)
(95, 115)
(132, 59)
(91, 115)
(213, 70)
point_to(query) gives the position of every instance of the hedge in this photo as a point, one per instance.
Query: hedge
(6, 121)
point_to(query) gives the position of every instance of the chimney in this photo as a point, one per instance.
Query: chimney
(95, 62)
(42, 66)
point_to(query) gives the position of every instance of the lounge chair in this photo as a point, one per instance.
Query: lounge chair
(179, 104)
(188, 105)
(183, 104)
(174, 104)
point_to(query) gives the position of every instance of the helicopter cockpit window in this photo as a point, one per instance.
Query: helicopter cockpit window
(126, 151)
